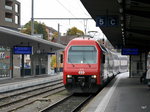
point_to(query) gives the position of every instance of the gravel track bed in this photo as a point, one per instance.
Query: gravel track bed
(17, 98)
(41, 103)
(67, 105)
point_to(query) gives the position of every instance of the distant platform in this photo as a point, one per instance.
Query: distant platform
(18, 83)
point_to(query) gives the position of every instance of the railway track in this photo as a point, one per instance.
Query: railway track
(11, 101)
(71, 103)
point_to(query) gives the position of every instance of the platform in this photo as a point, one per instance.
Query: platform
(18, 83)
(123, 94)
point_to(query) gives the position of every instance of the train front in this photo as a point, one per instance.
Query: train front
(82, 66)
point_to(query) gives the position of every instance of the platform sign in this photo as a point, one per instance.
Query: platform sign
(22, 50)
(113, 20)
(101, 21)
(107, 21)
(51, 53)
(130, 51)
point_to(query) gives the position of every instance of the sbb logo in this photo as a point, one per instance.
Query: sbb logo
(81, 72)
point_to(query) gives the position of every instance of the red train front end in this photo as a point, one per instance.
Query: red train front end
(82, 66)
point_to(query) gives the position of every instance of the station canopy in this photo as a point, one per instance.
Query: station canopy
(10, 38)
(126, 23)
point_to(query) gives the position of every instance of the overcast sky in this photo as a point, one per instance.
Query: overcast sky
(58, 9)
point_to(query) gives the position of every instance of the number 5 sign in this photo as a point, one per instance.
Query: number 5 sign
(101, 21)
(106, 21)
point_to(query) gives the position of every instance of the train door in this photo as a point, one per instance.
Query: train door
(110, 65)
(105, 66)
(104, 63)
(102, 67)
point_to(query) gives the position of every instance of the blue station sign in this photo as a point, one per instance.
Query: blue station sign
(130, 51)
(107, 21)
(51, 53)
(22, 50)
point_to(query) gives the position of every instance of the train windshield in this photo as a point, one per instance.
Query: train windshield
(82, 54)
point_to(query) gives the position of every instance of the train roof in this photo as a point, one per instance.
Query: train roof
(83, 38)
(105, 50)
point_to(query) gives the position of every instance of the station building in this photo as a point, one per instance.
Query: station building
(10, 18)
(10, 14)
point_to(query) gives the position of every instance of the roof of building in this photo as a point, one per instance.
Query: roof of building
(10, 38)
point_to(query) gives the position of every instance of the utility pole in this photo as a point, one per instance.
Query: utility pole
(32, 18)
(57, 52)
(58, 41)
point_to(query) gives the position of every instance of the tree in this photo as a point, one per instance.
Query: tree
(39, 28)
(55, 35)
(53, 62)
(74, 31)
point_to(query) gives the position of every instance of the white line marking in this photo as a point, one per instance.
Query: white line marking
(103, 104)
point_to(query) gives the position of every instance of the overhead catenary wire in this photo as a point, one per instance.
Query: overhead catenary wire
(83, 11)
(83, 23)
(84, 19)
(65, 8)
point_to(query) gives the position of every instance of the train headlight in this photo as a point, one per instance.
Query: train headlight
(93, 76)
(69, 76)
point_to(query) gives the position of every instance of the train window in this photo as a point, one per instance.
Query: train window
(61, 58)
(103, 58)
(82, 54)
(82, 48)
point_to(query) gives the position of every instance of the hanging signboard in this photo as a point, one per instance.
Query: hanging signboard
(130, 51)
(22, 50)
(107, 21)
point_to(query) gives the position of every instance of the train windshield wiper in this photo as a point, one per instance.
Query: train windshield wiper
(71, 62)
(86, 61)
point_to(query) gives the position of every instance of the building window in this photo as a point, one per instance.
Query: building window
(16, 19)
(8, 7)
(8, 17)
(16, 8)
(8, 4)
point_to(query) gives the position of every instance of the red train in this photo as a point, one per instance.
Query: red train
(88, 65)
